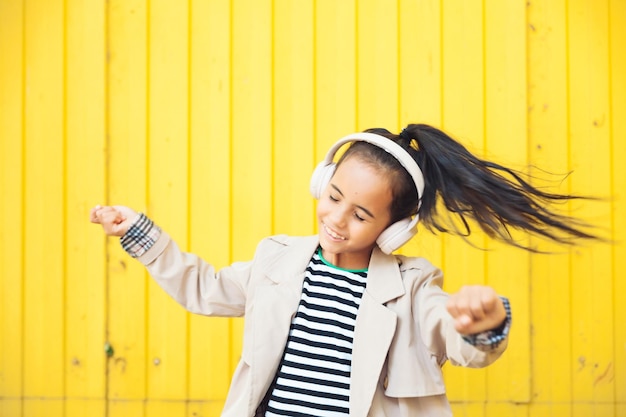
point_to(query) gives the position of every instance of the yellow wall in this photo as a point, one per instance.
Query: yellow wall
(210, 115)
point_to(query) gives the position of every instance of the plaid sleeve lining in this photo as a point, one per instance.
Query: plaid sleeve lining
(140, 237)
(492, 338)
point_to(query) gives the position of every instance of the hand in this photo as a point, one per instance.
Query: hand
(476, 309)
(115, 220)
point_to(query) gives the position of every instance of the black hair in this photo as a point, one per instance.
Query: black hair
(498, 199)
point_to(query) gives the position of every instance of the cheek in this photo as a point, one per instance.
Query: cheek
(320, 209)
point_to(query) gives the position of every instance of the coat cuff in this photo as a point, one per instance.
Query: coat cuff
(141, 236)
(490, 339)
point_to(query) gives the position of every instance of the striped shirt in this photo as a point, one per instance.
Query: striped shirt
(314, 376)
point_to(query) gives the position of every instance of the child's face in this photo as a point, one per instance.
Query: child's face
(352, 212)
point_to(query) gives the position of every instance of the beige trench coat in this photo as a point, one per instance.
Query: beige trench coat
(402, 337)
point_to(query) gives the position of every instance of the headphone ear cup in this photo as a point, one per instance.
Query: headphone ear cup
(396, 235)
(320, 178)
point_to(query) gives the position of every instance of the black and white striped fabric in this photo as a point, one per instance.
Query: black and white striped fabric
(314, 376)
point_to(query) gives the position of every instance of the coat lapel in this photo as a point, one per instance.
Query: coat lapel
(275, 306)
(374, 330)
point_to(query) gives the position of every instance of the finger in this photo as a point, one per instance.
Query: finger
(463, 322)
(489, 301)
(476, 309)
(119, 218)
(481, 300)
(112, 217)
(459, 312)
(127, 212)
(93, 214)
(94, 218)
(466, 305)
(452, 307)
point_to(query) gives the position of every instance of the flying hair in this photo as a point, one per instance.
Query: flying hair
(472, 191)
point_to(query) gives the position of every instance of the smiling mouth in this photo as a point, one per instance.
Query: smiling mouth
(332, 233)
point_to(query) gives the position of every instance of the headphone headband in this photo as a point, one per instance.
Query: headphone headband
(400, 232)
(401, 155)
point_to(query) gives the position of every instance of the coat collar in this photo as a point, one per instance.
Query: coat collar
(384, 282)
(294, 260)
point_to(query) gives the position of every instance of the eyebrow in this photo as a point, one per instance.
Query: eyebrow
(369, 213)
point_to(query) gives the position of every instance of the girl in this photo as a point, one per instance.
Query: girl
(335, 324)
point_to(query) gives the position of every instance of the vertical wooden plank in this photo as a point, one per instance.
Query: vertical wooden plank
(335, 78)
(12, 79)
(85, 359)
(617, 51)
(377, 65)
(209, 233)
(419, 85)
(44, 266)
(463, 117)
(251, 134)
(168, 193)
(420, 63)
(126, 178)
(592, 294)
(463, 72)
(251, 125)
(293, 117)
(508, 267)
(550, 277)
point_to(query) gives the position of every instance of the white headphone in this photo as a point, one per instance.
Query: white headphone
(403, 230)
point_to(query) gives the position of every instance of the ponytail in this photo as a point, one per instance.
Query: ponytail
(495, 197)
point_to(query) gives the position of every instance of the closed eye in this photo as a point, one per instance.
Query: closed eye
(360, 218)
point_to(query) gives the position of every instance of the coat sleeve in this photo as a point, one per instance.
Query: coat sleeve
(194, 283)
(437, 326)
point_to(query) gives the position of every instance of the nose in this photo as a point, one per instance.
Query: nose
(338, 216)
